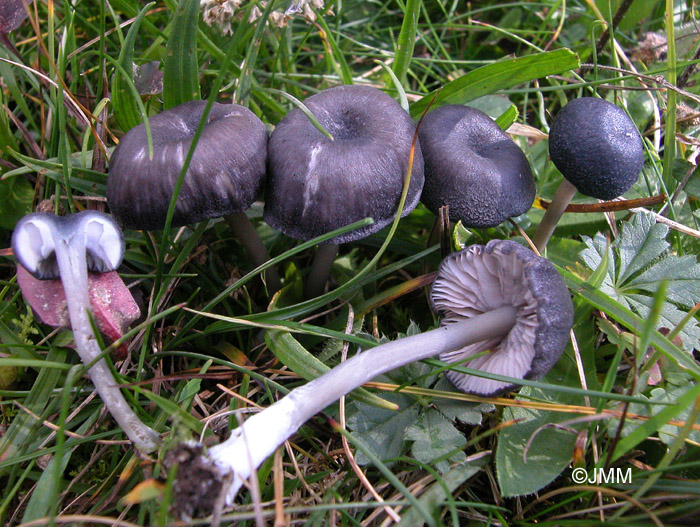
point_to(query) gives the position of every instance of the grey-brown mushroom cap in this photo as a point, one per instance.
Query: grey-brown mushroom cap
(225, 175)
(482, 278)
(316, 185)
(12, 14)
(474, 167)
(597, 147)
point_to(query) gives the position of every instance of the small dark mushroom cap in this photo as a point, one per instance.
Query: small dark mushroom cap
(483, 278)
(225, 174)
(316, 185)
(36, 235)
(474, 167)
(12, 13)
(597, 147)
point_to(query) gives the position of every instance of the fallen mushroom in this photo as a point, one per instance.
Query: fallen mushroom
(472, 166)
(499, 297)
(224, 176)
(598, 150)
(317, 184)
(51, 247)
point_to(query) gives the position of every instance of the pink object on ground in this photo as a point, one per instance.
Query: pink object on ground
(113, 307)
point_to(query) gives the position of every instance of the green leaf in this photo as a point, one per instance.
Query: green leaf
(181, 70)
(382, 431)
(434, 437)
(407, 39)
(548, 454)
(16, 196)
(637, 263)
(499, 76)
(126, 109)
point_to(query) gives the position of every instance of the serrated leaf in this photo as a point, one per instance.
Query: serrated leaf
(382, 431)
(434, 436)
(469, 413)
(638, 261)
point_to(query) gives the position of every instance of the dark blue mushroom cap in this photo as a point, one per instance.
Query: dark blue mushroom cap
(316, 185)
(225, 175)
(472, 166)
(597, 147)
(480, 279)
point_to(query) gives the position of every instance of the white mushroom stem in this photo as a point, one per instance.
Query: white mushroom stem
(254, 441)
(563, 196)
(70, 250)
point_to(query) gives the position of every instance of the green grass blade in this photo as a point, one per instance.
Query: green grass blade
(499, 76)
(407, 39)
(126, 110)
(181, 70)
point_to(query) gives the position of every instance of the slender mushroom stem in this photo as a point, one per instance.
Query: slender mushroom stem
(70, 256)
(72, 240)
(245, 233)
(254, 441)
(320, 270)
(561, 200)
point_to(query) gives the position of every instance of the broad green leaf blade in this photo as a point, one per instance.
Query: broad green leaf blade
(547, 455)
(434, 437)
(499, 76)
(407, 39)
(126, 109)
(181, 71)
(293, 355)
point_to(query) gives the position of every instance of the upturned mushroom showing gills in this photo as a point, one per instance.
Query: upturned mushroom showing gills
(50, 247)
(500, 300)
(316, 184)
(598, 150)
(472, 166)
(224, 176)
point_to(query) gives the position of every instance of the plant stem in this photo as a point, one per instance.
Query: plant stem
(245, 233)
(320, 270)
(561, 200)
(254, 441)
(72, 265)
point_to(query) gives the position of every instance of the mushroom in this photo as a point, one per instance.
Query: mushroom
(598, 150)
(472, 166)
(499, 297)
(225, 174)
(317, 184)
(51, 247)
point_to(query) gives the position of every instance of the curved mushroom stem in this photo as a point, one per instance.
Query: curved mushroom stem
(249, 445)
(70, 253)
(562, 198)
(243, 230)
(320, 270)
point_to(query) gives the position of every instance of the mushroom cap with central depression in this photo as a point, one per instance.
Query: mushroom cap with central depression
(504, 273)
(472, 166)
(224, 176)
(316, 184)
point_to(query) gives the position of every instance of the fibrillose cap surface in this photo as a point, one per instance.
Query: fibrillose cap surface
(224, 176)
(597, 147)
(316, 185)
(474, 167)
(481, 278)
